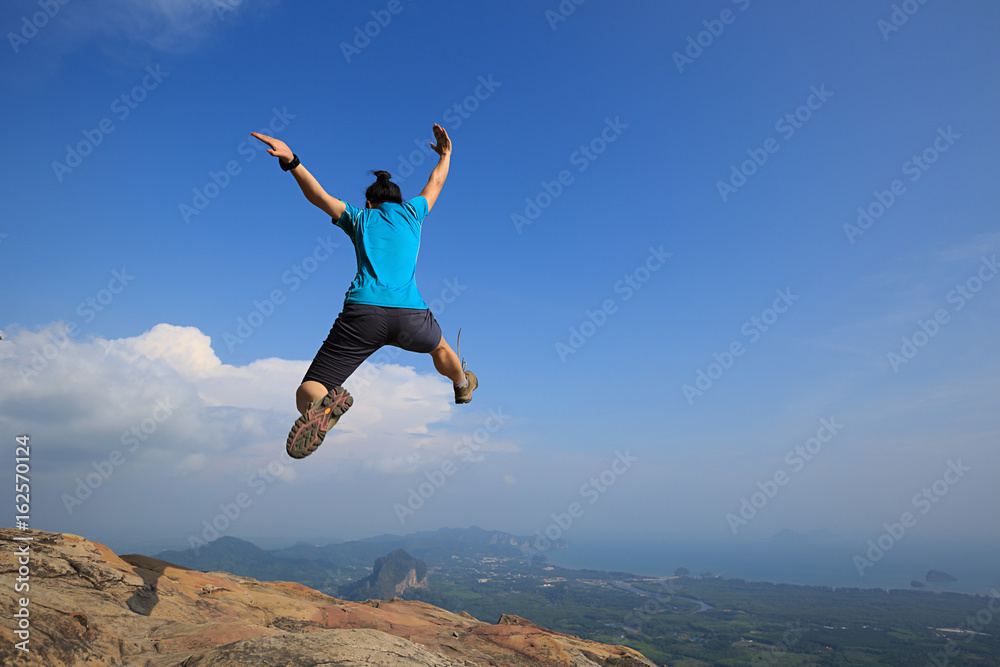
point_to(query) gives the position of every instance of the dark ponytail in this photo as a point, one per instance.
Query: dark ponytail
(383, 189)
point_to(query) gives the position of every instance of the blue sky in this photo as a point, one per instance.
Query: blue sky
(693, 168)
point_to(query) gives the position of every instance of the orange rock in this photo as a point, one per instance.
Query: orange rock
(91, 606)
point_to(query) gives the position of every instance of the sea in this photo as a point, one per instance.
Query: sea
(835, 564)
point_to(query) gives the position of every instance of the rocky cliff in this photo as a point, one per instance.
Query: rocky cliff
(396, 574)
(86, 605)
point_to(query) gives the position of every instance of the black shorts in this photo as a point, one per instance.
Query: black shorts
(360, 330)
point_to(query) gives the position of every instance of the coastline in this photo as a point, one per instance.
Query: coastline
(801, 565)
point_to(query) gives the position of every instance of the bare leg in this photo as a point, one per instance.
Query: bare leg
(308, 392)
(447, 362)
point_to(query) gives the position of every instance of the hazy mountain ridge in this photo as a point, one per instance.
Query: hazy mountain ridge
(326, 567)
(433, 547)
(232, 554)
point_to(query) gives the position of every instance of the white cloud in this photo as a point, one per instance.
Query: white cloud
(164, 25)
(166, 395)
(191, 463)
(982, 244)
(129, 29)
(154, 432)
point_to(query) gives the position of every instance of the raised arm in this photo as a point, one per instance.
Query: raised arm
(311, 188)
(440, 173)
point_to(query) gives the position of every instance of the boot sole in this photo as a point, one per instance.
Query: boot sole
(309, 430)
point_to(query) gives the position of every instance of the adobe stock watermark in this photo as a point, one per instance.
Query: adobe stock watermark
(796, 459)
(463, 450)
(973, 626)
(958, 297)
(899, 17)
(88, 309)
(915, 167)
(294, 277)
(628, 285)
(131, 439)
(786, 126)
(752, 329)
(31, 25)
(220, 180)
(924, 501)
(372, 368)
(696, 44)
(581, 158)
(363, 35)
(121, 108)
(452, 117)
(230, 512)
(562, 12)
(592, 490)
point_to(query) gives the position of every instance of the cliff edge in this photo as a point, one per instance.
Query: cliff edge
(88, 606)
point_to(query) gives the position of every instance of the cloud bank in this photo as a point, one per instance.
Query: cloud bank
(161, 411)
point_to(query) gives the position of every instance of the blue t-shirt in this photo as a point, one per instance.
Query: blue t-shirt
(386, 242)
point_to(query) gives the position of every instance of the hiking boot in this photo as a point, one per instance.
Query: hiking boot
(309, 430)
(464, 394)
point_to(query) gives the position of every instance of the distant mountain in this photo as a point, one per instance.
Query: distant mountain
(323, 567)
(396, 575)
(936, 576)
(231, 554)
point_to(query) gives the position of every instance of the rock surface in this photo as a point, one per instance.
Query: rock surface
(88, 606)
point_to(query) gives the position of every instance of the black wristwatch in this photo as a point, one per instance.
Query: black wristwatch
(291, 165)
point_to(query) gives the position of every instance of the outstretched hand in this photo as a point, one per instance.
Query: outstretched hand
(278, 148)
(443, 146)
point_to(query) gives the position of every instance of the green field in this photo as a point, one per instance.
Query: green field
(750, 623)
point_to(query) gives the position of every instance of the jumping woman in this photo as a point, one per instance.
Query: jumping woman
(383, 305)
